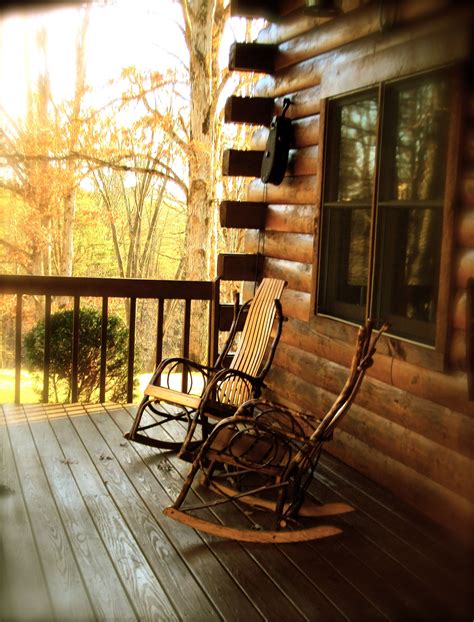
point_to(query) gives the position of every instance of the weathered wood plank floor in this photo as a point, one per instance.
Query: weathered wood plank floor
(83, 538)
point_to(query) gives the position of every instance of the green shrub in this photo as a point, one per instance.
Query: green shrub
(89, 355)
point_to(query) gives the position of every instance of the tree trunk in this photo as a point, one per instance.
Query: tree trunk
(204, 21)
(67, 255)
(199, 16)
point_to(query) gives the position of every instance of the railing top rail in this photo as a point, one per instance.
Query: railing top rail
(105, 287)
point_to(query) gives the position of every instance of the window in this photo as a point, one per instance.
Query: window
(382, 209)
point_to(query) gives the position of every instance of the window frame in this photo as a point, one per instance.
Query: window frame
(424, 355)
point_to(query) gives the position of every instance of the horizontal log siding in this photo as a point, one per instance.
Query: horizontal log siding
(297, 274)
(365, 61)
(294, 218)
(464, 238)
(283, 245)
(292, 246)
(296, 190)
(463, 265)
(299, 25)
(412, 429)
(305, 133)
(296, 304)
(439, 503)
(448, 389)
(439, 424)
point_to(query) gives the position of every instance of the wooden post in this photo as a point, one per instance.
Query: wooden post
(18, 324)
(75, 350)
(185, 350)
(226, 316)
(47, 348)
(131, 348)
(214, 322)
(103, 348)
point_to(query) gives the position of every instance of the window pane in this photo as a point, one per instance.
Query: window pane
(357, 249)
(344, 291)
(421, 119)
(409, 264)
(358, 128)
(351, 149)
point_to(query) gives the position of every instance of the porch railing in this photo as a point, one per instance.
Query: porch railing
(105, 288)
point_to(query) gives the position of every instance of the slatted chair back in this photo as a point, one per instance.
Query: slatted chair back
(254, 341)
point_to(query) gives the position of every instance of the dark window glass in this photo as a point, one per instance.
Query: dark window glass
(410, 210)
(405, 217)
(408, 269)
(347, 213)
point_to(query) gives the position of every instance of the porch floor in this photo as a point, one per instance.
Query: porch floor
(83, 537)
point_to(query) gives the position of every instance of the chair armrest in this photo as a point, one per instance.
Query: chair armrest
(172, 396)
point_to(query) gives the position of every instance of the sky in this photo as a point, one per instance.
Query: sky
(143, 33)
(140, 33)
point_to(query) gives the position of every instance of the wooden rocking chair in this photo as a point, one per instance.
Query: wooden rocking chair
(224, 388)
(265, 455)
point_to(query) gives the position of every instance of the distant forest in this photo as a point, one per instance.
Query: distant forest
(129, 187)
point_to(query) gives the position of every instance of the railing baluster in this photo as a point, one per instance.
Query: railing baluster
(131, 348)
(103, 348)
(19, 309)
(47, 347)
(186, 332)
(214, 310)
(104, 288)
(75, 350)
(160, 318)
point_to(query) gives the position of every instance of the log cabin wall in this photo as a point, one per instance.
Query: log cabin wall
(412, 426)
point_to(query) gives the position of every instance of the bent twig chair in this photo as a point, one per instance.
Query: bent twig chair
(265, 455)
(224, 388)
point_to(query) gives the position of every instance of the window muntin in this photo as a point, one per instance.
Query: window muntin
(400, 130)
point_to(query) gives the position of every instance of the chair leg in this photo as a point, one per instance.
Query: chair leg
(188, 445)
(187, 484)
(280, 521)
(207, 473)
(136, 422)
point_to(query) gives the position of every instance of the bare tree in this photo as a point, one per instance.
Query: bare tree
(46, 184)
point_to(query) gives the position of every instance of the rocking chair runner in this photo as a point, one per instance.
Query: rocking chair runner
(267, 456)
(224, 388)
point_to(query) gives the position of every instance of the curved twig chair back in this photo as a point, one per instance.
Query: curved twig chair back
(361, 361)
